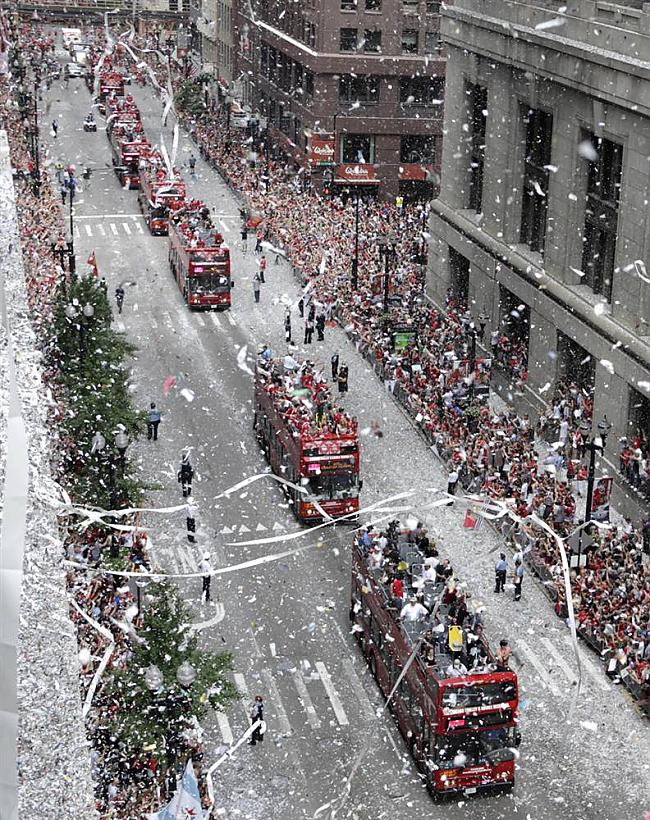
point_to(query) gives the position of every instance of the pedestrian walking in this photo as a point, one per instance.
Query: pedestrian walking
(259, 236)
(186, 474)
(452, 481)
(312, 311)
(335, 366)
(192, 164)
(244, 238)
(257, 714)
(55, 128)
(190, 515)
(309, 330)
(320, 327)
(256, 287)
(343, 378)
(500, 570)
(205, 568)
(301, 307)
(287, 327)
(63, 190)
(262, 264)
(153, 420)
(518, 578)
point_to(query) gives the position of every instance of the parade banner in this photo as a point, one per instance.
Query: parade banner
(601, 498)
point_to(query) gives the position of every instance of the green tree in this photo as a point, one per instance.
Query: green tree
(189, 98)
(157, 719)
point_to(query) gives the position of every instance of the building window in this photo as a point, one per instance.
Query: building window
(418, 148)
(348, 5)
(298, 75)
(459, 277)
(349, 39)
(361, 88)
(433, 6)
(264, 60)
(372, 40)
(273, 64)
(421, 90)
(477, 99)
(432, 42)
(373, 5)
(308, 86)
(357, 148)
(409, 41)
(539, 134)
(410, 6)
(601, 214)
(284, 79)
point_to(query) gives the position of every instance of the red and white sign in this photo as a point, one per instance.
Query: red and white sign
(357, 174)
(415, 172)
(320, 149)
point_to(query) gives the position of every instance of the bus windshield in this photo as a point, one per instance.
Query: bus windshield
(208, 283)
(480, 694)
(471, 748)
(332, 486)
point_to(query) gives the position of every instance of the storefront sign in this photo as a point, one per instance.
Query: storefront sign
(415, 172)
(357, 174)
(320, 149)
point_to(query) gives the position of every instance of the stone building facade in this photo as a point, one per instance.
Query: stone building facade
(542, 224)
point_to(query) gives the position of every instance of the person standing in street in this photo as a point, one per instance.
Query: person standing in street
(518, 576)
(256, 287)
(190, 515)
(257, 714)
(259, 236)
(55, 128)
(186, 474)
(309, 330)
(244, 238)
(320, 327)
(205, 568)
(262, 266)
(153, 420)
(287, 327)
(335, 366)
(343, 378)
(500, 569)
(192, 164)
(301, 307)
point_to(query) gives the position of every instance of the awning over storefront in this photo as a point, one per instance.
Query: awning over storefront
(320, 149)
(359, 174)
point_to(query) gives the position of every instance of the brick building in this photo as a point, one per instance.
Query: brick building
(355, 83)
(542, 223)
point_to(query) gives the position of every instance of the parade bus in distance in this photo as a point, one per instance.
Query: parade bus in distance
(110, 83)
(307, 441)
(159, 194)
(460, 724)
(128, 147)
(198, 257)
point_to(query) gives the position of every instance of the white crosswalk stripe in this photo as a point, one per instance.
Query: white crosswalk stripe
(596, 674)
(332, 694)
(539, 666)
(153, 323)
(126, 227)
(77, 233)
(557, 658)
(100, 228)
(224, 728)
(307, 704)
(360, 693)
(215, 320)
(88, 230)
(231, 318)
(113, 228)
(139, 227)
(200, 320)
(242, 686)
(278, 708)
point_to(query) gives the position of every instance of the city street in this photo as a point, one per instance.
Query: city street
(286, 623)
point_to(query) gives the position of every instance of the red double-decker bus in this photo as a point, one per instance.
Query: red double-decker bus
(159, 194)
(307, 440)
(198, 257)
(456, 708)
(128, 148)
(110, 83)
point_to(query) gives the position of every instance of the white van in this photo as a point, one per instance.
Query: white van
(71, 35)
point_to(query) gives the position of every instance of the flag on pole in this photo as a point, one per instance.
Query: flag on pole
(472, 520)
(186, 803)
(92, 261)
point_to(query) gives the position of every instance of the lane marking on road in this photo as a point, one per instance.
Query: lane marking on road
(596, 674)
(120, 326)
(77, 232)
(224, 226)
(332, 694)
(283, 720)
(231, 318)
(360, 693)
(101, 229)
(183, 561)
(224, 727)
(199, 319)
(219, 615)
(245, 699)
(191, 560)
(113, 228)
(557, 658)
(126, 227)
(539, 666)
(153, 323)
(307, 703)
(215, 320)
(139, 227)
(88, 230)
(109, 216)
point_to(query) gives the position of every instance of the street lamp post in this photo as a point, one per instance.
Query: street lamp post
(388, 253)
(472, 361)
(121, 444)
(594, 444)
(140, 585)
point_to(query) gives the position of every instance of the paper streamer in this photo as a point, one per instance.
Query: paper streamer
(105, 659)
(227, 755)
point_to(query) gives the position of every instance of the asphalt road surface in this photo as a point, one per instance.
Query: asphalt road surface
(287, 622)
